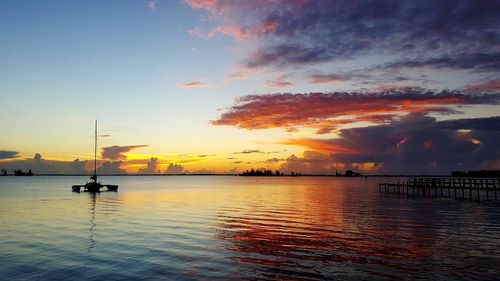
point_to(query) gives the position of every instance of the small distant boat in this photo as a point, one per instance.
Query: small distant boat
(20, 173)
(94, 185)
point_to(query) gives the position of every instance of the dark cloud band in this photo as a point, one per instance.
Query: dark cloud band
(7, 154)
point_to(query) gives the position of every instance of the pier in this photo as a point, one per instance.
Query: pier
(473, 189)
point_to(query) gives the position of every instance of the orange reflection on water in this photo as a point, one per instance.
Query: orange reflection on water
(294, 226)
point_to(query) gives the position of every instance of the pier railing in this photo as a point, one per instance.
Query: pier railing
(474, 189)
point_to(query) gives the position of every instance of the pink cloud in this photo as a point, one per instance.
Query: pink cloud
(491, 85)
(195, 84)
(232, 31)
(239, 73)
(240, 20)
(211, 5)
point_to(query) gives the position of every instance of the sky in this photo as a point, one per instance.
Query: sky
(219, 86)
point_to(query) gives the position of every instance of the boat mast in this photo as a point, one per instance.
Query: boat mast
(95, 152)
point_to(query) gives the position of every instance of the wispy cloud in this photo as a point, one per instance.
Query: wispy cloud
(321, 78)
(152, 4)
(279, 82)
(197, 33)
(479, 61)
(231, 30)
(206, 155)
(274, 160)
(238, 72)
(249, 151)
(195, 84)
(491, 85)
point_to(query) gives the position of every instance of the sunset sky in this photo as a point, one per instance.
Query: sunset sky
(214, 86)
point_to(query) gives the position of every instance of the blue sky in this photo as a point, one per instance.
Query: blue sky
(130, 63)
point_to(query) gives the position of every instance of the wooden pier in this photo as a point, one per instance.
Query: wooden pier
(473, 189)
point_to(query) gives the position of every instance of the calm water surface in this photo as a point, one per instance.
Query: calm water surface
(209, 228)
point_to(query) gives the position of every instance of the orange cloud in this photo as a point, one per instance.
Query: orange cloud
(325, 111)
(202, 4)
(322, 146)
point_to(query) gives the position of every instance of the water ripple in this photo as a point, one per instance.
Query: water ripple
(227, 228)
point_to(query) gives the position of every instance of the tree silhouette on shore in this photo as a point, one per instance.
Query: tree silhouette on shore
(267, 173)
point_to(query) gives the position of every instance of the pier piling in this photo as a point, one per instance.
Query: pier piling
(437, 187)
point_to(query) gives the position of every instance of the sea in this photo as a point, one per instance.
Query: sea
(240, 228)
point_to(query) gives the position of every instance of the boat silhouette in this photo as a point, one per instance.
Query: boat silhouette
(94, 185)
(20, 173)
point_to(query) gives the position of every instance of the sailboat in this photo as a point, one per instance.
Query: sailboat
(94, 185)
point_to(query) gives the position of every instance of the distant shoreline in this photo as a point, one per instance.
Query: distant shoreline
(233, 175)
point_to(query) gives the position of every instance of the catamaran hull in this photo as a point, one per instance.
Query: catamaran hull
(111, 187)
(94, 187)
